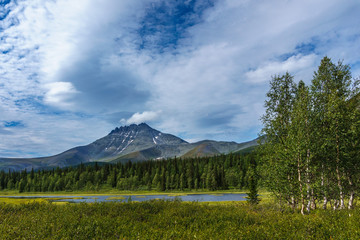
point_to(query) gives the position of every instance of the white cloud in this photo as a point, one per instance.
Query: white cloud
(138, 118)
(292, 65)
(59, 93)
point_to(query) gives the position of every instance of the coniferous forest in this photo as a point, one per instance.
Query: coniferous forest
(210, 173)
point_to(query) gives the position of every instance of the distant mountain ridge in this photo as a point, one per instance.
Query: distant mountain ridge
(127, 143)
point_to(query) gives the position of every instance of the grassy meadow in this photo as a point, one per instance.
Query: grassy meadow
(172, 220)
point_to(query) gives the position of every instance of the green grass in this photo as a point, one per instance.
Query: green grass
(116, 198)
(17, 201)
(172, 220)
(20, 200)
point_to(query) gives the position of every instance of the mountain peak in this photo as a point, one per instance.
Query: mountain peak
(135, 137)
(131, 127)
(135, 142)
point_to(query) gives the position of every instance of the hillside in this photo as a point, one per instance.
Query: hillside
(127, 143)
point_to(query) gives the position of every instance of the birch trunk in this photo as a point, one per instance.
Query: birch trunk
(300, 187)
(342, 203)
(308, 181)
(313, 204)
(352, 193)
(292, 202)
(351, 200)
(335, 204)
(323, 186)
(325, 202)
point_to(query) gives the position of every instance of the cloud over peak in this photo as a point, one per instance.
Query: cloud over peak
(138, 118)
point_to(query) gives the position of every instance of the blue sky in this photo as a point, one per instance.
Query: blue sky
(71, 71)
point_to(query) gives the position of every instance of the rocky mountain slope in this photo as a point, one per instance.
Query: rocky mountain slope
(128, 143)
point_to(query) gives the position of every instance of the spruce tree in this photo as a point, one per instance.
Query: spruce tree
(252, 182)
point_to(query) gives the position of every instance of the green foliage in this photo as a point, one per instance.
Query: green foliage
(213, 173)
(172, 220)
(311, 152)
(252, 178)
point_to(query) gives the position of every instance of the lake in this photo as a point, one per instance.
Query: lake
(140, 198)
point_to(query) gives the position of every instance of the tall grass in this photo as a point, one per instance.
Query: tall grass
(171, 220)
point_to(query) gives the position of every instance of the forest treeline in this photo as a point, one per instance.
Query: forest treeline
(210, 173)
(311, 158)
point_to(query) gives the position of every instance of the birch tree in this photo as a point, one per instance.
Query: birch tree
(300, 141)
(332, 114)
(278, 167)
(312, 138)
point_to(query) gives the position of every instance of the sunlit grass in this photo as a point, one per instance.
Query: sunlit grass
(27, 200)
(177, 194)
(225, 203)
(60, 203)
(116, 198)
(172, 220)
(217, 194)
(21, 200)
